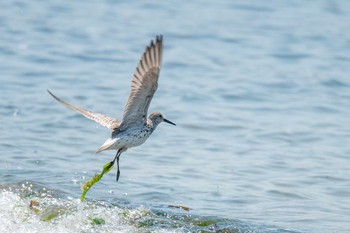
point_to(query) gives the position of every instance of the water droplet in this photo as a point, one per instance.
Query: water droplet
(15, 113)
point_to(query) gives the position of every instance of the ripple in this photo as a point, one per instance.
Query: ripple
(260, 95)
(287, 195)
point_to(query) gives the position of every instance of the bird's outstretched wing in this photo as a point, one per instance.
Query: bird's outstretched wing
(106, 121)
(144, 84)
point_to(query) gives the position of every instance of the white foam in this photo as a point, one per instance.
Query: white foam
(70, 215)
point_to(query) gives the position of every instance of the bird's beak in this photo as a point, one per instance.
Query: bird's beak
(167, 121)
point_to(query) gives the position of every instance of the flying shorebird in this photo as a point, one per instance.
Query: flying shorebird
(134, 128)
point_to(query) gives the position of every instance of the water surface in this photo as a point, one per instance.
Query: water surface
(260, 92)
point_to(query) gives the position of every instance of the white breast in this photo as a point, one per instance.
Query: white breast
(132, 138)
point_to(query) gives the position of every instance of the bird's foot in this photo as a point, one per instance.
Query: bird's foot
(118, 174)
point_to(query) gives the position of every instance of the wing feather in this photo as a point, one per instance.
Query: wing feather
(106, 121)
(144, 83)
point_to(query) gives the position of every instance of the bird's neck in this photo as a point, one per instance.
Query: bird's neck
(151, 125)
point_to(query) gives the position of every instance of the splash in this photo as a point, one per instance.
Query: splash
(33, 207)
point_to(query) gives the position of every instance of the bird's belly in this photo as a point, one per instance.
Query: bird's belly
(132, 139)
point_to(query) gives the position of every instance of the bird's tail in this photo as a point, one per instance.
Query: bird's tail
(107, 145)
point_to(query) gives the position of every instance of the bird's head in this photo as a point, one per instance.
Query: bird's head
(157, 118)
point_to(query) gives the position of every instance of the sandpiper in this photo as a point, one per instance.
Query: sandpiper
(134, 127)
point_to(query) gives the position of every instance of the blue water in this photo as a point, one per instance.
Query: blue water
(260, 92)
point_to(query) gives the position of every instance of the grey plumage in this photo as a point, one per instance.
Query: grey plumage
(134, 128)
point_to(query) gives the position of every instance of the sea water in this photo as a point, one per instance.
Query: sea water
(259, 90)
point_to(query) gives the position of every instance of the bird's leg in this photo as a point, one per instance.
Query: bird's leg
(117, 158)
(118, 171)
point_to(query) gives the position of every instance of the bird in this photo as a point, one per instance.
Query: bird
(135, 127)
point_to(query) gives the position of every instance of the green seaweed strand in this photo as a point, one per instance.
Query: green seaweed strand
(85, 187)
